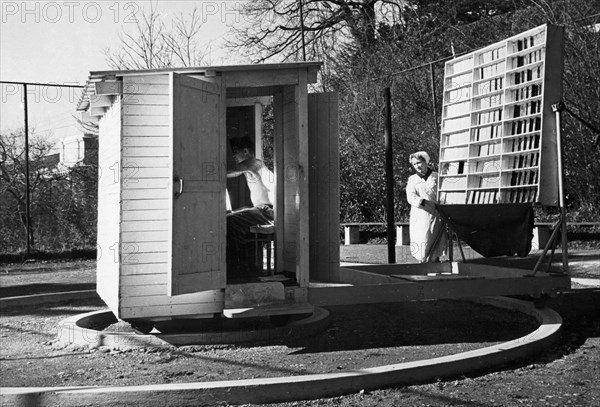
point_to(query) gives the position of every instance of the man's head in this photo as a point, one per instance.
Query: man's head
(242, 148)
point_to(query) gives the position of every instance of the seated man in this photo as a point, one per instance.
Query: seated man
(261, 183)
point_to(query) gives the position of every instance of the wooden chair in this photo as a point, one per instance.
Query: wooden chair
(264, 237)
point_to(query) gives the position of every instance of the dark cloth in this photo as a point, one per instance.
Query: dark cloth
(492, 229)
(426, 175)
(240, 221)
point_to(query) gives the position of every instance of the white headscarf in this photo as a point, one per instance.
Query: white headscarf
(420, 155)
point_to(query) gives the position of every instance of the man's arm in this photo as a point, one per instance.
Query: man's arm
(232, 174)
(249, 167)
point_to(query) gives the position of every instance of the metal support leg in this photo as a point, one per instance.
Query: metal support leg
(451, 235)
(461, 249)
(450, 244)
(561, 192)
(551, 242)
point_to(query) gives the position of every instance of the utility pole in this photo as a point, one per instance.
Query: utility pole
(389, 172)
(302, 30)
(27, 194)
(433, 98)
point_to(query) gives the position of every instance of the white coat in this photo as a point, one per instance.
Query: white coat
(427, 232)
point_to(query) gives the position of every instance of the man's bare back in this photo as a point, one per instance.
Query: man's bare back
(260, 180)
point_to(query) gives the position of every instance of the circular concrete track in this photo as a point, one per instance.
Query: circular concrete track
(47, 298)
(271, 390)
(76, 330)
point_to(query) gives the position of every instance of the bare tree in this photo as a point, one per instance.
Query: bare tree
(12, 172)
(275, 28)
(63, 200)
(154, 44)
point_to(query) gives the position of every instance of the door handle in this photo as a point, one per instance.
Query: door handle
(179, 183)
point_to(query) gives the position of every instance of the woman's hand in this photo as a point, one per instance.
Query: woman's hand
(427, 205)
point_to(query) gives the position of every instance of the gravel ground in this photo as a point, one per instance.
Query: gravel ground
(566, 374)
(32, 356)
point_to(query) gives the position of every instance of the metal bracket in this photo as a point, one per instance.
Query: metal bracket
(562, 107)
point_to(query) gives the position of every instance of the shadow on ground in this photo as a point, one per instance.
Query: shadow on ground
(415, 324)
(30, 289)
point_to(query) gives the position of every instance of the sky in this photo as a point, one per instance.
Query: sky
(62, 41)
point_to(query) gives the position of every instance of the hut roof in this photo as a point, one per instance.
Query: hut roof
(100, 76)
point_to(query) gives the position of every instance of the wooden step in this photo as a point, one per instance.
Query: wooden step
(251, 295)
(436, 277)
(268, 310)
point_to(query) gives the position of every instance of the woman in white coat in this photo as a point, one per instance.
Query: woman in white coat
(427, 231)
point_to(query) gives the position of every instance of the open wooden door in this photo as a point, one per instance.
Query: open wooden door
(324, 185)
(198, 210)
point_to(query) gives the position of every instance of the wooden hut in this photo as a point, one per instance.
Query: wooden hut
(163, 157)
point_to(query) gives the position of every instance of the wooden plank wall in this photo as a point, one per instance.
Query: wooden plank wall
(109, 157)
(324, 187)
(303, 238)
(147, 205)
(290, 179)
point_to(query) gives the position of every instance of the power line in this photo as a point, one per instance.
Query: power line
(53, 128)
(586, 17)
(426, 64)
(42, 84)
(54, 122)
